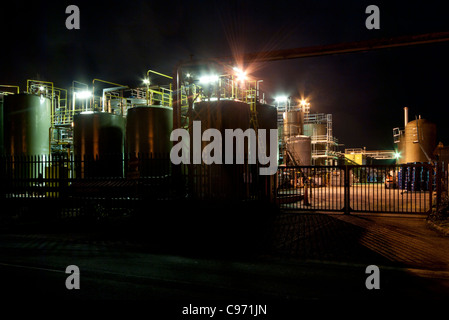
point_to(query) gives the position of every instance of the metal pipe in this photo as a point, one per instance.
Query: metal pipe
(9, 86)
(405, 116)
(93, 91)
(108, 90)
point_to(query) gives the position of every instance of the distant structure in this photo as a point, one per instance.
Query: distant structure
(305, 138)
(318, 126)
(416, 142)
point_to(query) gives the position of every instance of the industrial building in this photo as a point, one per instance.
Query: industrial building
(109, 130)
(306, 138)
(109, 141)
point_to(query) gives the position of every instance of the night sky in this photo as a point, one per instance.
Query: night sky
(365, 92)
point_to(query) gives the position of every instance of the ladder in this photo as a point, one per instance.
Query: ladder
(250, 98)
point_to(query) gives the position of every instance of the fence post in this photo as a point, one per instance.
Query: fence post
(347, 206)
(438, 185)
(431, 177)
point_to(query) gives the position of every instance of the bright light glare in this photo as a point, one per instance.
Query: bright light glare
(146, 81)
(241, 75)
(209, 79)
(397, 155)
(84, 94)
(281, 99)
(41, 88)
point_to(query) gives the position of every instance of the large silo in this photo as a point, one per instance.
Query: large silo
(315, 129)
(221, 180)
(417, 142)
(27, 121)
(300, 148)
(148, 130)
(98, 141)
(232, 180)
(293, 123)
(319, 135)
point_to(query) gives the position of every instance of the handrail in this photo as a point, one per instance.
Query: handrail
(159, 74)
(10, 86)
(93, 91)
(148, 86)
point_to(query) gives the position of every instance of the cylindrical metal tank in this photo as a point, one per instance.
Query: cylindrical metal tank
(98, 141)
(293, 123)
(148, 130)
(300, 148)
(226, 114)
(223, 114)
(266, 116)
(318, 132)
(315, 129)
(230, 181)
(418, 139)
(27, 121)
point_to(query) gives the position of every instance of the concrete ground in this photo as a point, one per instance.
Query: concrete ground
(405, 240)
(310, 256)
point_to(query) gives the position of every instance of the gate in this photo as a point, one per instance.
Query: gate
(408, 188)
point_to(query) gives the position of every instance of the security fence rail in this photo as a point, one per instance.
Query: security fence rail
(126, 181)
(408, 188)
(123, 181)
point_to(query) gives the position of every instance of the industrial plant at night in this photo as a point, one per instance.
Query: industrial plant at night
(108, 147)
(221, 159)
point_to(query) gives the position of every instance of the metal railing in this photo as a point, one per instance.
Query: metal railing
(124, 180)
(410, 188)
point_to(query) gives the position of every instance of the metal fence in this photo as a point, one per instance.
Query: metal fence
(124, 181)
(410, 188)
(127, 181)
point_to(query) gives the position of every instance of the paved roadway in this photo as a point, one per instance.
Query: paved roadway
(312, 256)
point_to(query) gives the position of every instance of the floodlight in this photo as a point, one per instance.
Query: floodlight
(281, 99)
(208, 79)
(83, 94)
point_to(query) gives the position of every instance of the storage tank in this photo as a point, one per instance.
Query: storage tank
(300, 147)
(148, 130)
(266, 116)
(315, 129)
(293, 123)
(223, 114)
(418, 135)
(98, 140)
(27, 121)
(227, 114)
(225, 181)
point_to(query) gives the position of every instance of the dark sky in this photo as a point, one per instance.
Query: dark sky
(120, 40)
